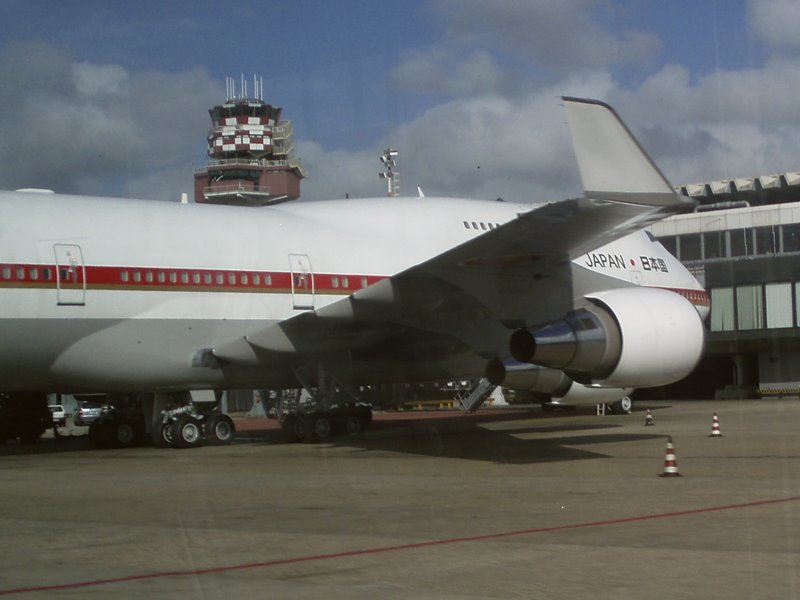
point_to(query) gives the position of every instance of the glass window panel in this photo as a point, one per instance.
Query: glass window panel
(765, 240)
(791, 237)
(740, 242)
(722, 315)
(713, 244)
(690, 247)
(779, 305)
(797, 302)
(749, 307)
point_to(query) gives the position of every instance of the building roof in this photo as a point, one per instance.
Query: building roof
(759, 190)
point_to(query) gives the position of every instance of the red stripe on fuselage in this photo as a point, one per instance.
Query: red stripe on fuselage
(158, 279)
(174, 279)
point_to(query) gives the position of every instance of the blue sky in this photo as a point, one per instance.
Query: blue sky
(111, 98)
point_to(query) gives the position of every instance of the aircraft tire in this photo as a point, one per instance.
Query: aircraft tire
(353, 424)
(219, 430)
(320, 428)
(294, 429)
(122, 433)
(162, 435)
(187, 432)
(623, 406)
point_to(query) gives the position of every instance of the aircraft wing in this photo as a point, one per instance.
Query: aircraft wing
(511, 276)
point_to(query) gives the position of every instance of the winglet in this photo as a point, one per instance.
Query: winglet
(612, 164)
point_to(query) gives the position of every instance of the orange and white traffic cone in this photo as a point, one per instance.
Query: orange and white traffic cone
(715, 430)
(648, 419)
(670, 464)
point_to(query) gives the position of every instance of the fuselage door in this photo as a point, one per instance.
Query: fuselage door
(302, 282)
(70, 275)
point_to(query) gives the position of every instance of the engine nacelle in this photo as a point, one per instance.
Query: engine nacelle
(632, 337)
(561, 390)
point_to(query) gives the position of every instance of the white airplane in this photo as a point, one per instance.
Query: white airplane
(571, 299)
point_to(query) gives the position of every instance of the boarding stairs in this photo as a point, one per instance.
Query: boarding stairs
(477, 394)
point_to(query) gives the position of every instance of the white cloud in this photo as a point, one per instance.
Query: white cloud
(446, 70)
(775, 22)
(98, 129)
(558, 35)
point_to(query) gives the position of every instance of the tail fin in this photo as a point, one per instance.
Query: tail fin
(612, 164)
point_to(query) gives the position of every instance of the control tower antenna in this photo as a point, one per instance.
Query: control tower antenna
(392, 177)
(251, 152)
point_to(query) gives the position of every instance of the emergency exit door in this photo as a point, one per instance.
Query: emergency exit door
(70, 275)
(302, 282)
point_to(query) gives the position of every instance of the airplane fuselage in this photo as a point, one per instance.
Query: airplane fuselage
(109, 294)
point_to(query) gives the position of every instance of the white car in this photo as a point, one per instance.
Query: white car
(59, 416)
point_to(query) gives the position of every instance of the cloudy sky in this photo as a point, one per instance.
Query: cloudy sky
(111, 98)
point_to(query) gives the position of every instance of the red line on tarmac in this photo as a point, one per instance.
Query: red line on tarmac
(400, 547)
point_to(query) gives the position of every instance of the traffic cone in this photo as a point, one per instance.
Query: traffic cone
(715, 431)
(648, 419)
(670, 464)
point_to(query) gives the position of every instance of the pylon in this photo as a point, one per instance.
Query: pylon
(715, 431)
(670, 464)
(648, 419)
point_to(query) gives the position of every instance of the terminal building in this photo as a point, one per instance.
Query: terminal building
(742, 243)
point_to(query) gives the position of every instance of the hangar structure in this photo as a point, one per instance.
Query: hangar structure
(742, 242)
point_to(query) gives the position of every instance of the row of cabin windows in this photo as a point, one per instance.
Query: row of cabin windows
(26, 273)
(9, 273)
(755, 306)
(195, 277)
(344, 281)
(480, 225)
(749, 241)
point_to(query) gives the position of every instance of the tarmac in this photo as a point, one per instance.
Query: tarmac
(513, 504)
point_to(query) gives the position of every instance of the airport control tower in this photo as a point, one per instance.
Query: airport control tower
(250, 152)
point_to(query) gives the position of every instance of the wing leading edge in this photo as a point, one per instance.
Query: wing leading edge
(513, 275)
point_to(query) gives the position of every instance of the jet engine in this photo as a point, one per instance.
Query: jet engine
(632, 337)
(559, 389)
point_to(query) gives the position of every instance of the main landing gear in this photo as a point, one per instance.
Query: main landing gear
(318, 424)
(182, 421)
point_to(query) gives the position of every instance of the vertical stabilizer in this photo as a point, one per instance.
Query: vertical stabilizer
(612, 164)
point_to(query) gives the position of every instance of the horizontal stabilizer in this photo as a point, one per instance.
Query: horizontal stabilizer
(612, 164)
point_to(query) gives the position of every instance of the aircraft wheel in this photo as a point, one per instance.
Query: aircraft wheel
(294, 428)
(320, 429)
(162, 435)
(352, 425)
(187, 432)
(219, 429)
(622, 406)
(125, 434)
